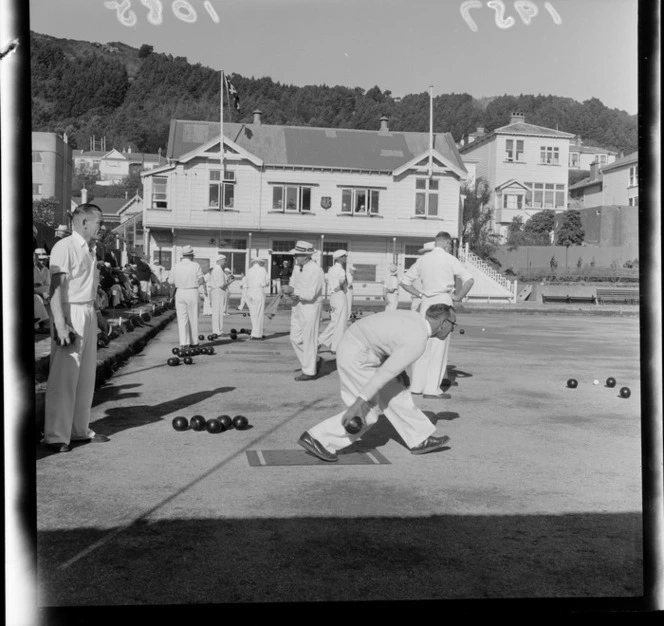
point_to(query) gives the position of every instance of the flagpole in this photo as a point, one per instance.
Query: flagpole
(430, 131)
(221, 126)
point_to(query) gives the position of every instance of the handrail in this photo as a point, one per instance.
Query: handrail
(470, 257)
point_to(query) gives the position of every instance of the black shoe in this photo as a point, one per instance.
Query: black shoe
(438, 396)
(429, 445)
(302, 377)
(316, 448)
(319, 364)
(96, 439)
(57, 447)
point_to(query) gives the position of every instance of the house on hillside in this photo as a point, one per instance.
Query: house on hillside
(115, 165)
(378, 194)
(614, 184)
(525, 166)
(52, 167)
(581, 155)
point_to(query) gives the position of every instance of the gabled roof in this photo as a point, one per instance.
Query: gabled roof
(512, 182)
(583, 149)
(343, 148)
(630, 159)
(586, 182)
(133, 157)
(519, 129)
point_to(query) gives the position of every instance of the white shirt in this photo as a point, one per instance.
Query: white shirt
(438, 271)
(349, 280)
(187, 274)
(396, 339)
(308, 281)
(73, 257)
(218, 278)
(257, 278)
(42, 279)
(336, 278)
(391, 283)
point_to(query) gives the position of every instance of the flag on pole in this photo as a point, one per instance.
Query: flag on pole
(232, 92)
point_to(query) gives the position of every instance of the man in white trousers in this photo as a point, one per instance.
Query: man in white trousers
(336, 285)
(306, 290)
(372, 356)
(73, 365)
(391, 289)
(257, 280)
(218, 286)
(187, 277)
(350, 277)
(438, 272)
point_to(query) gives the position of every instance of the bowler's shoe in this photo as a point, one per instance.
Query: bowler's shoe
(431, 396)
(316, 448)
(57, 447)
(302, 377)
(96, 439)
(429, 445)
(319, 364)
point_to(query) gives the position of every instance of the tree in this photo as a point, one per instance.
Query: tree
(44, 210)
(571, 232)
(85, 177)
(145, 51)
(539, 227)
(515, 236)
(477, 217)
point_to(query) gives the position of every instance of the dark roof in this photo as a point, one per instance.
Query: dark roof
(586, 182)
(108, 206)
(311, 146)
(630, 159)
(517, 128)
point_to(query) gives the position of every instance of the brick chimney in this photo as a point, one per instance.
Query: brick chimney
(257, 117)
(594, 170)
(383, 124)
(517, 117)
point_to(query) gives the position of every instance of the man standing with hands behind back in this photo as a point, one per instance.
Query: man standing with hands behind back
(337, 282)
(187, 278)
(306, 291)
(73, 367)
(438, 271)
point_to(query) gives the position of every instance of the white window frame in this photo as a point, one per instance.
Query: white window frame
(37, 157)
(519, 202)
(352, 201)
(427, 192)
(410, 254)
(232, 252)
(158, 195)
(549, 155)
(512, 155)
(574, 159)
(542, 189)
(38, 190)
(633, 175)
(300, 196)
(225, 189)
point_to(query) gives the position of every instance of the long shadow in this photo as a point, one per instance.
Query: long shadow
(112, 393)
(505, 562)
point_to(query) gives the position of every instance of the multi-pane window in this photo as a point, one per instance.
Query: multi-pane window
(545, 195)
(283, 245)
(36, 156)
(426, 197)
(163, 258)
(514, 150)
(633, 201)
(574, 159)
(602, 159)
(236, 254)
(159, 192)
(36, 189)
(512, 201)
(634, 176)
(549, 155)
(411, 254)
(360, 201)
(328, 249)
(222, 192)
(291, 198)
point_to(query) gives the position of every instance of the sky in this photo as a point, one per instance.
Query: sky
(580, 49)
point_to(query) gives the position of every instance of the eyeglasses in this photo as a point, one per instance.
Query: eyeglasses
(454, 324)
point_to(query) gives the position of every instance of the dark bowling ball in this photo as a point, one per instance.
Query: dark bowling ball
(170, 361)
(610, 382)
(461, 331)
(180, 423)
(354, 426)
(198, 423)
(226, 421)
(210, 337)
(145, 317)
(625, 392)
(214, 336)
(201, 337)
(233, 336)
(176, 351)
(240, 422)
(572, 383)
(214, 426)
(188, 360)
(233, 331)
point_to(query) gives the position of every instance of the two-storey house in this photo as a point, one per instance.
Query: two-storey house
(615, 184)
(581, 155)
(525, 166)
(378, 194)
(52, 171)
(115, 165)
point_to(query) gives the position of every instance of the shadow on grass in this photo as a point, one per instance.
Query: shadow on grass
(575, 558)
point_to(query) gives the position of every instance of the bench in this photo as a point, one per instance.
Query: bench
(569, 299)
(618, 296)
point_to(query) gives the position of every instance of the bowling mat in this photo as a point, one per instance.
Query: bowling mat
(264, 458)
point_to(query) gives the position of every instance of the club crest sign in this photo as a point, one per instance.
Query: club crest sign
(326, 202)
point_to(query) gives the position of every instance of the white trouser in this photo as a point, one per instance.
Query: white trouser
(349, 299)
(333, 332)
(256, 303)
(207, 306)
(429, 370)
(356, 364)
(71, 379)
(305, 320)
(186, 307)
(218, 298)
(392, 301)
(243, 300)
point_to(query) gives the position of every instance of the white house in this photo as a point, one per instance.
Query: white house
(614, 184)
(525, 166)
(378, 194)
(581, 155)
(115, 165)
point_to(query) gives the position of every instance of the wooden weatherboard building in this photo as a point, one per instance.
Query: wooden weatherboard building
(378, 194)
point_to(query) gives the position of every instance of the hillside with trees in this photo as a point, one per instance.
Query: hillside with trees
(129, 96)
